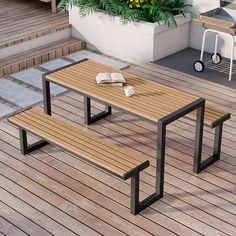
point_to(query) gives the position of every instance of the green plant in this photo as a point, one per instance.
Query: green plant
(132, 10)
(165, 10)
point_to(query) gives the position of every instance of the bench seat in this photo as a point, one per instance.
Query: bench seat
(116, 160)
(213, 117)
(100, 152)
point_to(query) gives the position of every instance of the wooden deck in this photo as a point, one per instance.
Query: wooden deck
(52, 192)
(22, 20)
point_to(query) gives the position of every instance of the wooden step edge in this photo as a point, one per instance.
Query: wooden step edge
(38, 59)
(33, 35)
(38, 50)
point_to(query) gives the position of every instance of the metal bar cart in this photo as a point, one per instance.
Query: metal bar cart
(218, 22)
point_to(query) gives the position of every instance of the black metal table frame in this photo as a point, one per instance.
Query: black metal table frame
(199, 105)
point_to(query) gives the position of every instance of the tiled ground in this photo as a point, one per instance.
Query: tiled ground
(33, 77)
(24, 88)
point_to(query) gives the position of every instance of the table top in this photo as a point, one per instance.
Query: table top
(151, 101)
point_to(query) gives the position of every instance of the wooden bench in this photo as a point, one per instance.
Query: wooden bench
(214, 119)
(53, 5)
(103, 154)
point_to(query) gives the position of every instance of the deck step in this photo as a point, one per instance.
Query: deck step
(31, 34)
(39, 55)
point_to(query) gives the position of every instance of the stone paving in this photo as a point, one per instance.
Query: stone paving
(54, 64)
(17, 94)
(78, 56)
(24, 89)
(6, 110)
(33, 77)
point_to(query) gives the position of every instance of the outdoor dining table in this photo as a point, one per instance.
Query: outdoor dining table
(152, 101)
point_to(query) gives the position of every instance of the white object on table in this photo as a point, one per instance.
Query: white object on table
(129, 91)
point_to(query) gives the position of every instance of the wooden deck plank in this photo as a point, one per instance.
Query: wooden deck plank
(76, 216)
(29, 211)
(21, 222)
(9, 229)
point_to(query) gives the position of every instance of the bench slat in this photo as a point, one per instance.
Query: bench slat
(88, 137)
(212, 116)
(105, 156)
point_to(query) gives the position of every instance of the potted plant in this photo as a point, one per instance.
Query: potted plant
(133, 30)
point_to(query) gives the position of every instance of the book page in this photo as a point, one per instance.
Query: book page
(103, 78)
(111, 85)
(117, 78)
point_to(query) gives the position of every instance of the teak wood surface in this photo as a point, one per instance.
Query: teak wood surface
(151, 101)
(102, 153)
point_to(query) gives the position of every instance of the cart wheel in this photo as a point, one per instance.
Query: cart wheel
(199, 66)
(216, 58)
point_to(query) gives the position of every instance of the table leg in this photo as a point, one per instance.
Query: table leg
(88, 119)
(198, 139)
(137, 206)
(160, 162)
(46, 97)
(161, 141)
(25, 148)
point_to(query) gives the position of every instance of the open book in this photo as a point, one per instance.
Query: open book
(110, 79)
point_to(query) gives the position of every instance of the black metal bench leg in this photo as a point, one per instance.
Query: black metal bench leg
(160, 162)
(25, 148)
(23, 141)
(216, 149)
(46, 96)
(136, 205)
(217, 141)
(135, 194)
(88, 119)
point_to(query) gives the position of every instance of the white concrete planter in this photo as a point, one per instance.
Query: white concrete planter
(135, 42)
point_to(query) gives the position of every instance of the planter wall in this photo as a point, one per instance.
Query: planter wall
(134, 42)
